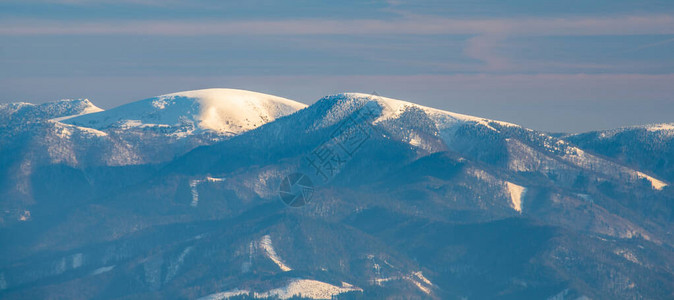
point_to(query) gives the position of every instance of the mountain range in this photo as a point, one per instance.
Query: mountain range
(221, 193)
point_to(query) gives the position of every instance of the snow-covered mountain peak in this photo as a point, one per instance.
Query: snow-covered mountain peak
(338, 106)
(657, 129)
(225, 111)
(28, 112)
(74, 107)
(80, 105)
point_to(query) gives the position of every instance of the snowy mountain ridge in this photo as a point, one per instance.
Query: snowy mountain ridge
(344, 103)
(78, 133)
(177, 196)
(57, 110)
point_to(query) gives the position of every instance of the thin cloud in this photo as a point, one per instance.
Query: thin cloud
(623, 25)
(90, 2)
(482, 47)
(487, 34)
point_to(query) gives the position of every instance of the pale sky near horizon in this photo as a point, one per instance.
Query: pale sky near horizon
(551, 65)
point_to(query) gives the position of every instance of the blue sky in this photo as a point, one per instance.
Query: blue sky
(550, 65)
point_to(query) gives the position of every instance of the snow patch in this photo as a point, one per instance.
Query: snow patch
(77, 260)
(173, 268)
(194, 184)
(307, 288)
(25, 216)
(415, 278)
(421, 276)
(102, 270)
(661, 127)
(266, 245)
(420, 286)
(159, 103)
(195, 194)
(415, 140)
(424, 285)
(655, 183)
(225, 295)
(627, 254)
(91, 131)
(60, 266)
(65, 131)
(516, 192)
(214, 179)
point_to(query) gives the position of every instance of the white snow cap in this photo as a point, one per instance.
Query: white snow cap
(226, 111)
